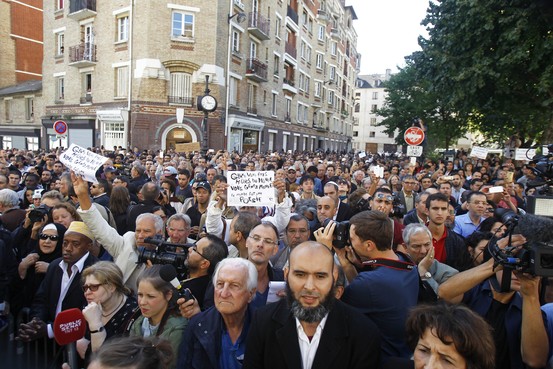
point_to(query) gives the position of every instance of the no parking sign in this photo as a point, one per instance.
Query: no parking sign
(60, 127)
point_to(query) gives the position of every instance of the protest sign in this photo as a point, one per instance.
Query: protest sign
(83, 162)
(525, 154)
(479, 152)
(251, 188)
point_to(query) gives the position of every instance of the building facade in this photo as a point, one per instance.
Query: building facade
(370, 95)
(126, 75)
(20, 73)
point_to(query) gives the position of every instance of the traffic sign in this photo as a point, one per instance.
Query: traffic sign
(414, 151)
(414, 136)
(60, 127)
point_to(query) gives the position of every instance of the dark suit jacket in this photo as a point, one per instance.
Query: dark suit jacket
(46, 298)
(403, 200)
(344, 212)
(349, 340)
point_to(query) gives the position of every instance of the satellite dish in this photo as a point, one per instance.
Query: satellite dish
(241, 17)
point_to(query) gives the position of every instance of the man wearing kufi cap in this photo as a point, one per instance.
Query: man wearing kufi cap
(62, 286)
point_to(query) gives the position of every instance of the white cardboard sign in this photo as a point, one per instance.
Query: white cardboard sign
(525, 154)
(414, 151)
(251, 188)
(83, 162)
(479, 152)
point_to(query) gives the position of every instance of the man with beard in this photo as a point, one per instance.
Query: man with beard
(311, 329)
(201, 261)
(297, 231)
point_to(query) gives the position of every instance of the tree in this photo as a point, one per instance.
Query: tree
(491, 61)
(408, 96)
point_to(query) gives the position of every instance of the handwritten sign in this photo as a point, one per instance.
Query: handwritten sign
(187, 147)
(479, 152)
(251, 188)
(525, 154)
(83, 162)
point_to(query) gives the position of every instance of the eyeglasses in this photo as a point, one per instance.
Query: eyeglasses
(195, 249)
(265, 241)
(383, 196)
(91, 287)
(52, 237)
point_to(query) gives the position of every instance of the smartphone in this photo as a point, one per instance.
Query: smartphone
(187, 295)
(447, 178)
(495, 189)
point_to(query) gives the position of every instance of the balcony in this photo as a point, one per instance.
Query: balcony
(180, 100)
(292, 14)
(290, 49)
(288, 85)
(83, 55)
(87, 99)
(335, 34)
(256, 70)
(82, 9)
(319, 127)
(259, 26)
(322, 15)
(251, 110)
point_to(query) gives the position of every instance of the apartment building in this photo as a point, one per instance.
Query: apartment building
(119, 74)
(20, 72)
(370, 95)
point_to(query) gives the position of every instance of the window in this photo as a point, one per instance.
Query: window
(302, 50)
(183, 25)
(6, 142)
(284, 142)
(319, 61)
(253, 50)
(60, 48)
(375, 95)
(318, 86)
(276, 65)
(180, 89)
(306, 82)
(372, 121)
(59, 4)
(123, 28)
(274, 105)
(321, 33)
(272, 137)
(29, 108)
(87, 84)
(372, 134)
(60, 89)
(235, 41)
(277, 27)
(8, 108)
(310, 25)
(288, 110)
(301, 81)
(121, 81)
(332, 74)
(304, 18)
(233, 91)
(333, 48)
(252, 96)
(308, 54)
(114, 133)
(330, 97)
(32, 143)
(374, 108)
(355, 134)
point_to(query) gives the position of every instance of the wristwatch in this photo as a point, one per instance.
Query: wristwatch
(101, 329)
(426, 276)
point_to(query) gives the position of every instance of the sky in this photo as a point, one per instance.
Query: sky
(387, 31)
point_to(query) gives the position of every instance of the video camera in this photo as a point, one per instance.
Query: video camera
(164, 253)
(544, 172)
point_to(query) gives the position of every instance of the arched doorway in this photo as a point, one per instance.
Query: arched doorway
(177, 134)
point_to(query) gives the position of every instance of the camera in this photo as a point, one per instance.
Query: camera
(37, 214)
(398, 207)
(341, 233)
(164, 253)
(361, 205)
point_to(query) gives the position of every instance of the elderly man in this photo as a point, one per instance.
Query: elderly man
(418, 244)
(297, 231)
(216, 338)
(62, 285)
(123, 249)
(311, 329)
(11, 215)
(178, 229)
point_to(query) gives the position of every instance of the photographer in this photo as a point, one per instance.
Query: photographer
(152, 196)
(515, 316)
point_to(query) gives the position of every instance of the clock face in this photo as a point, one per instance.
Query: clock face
(209, 103)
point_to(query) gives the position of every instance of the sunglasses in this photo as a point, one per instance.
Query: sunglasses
(44, 236)
(91, 287)
(381, 196)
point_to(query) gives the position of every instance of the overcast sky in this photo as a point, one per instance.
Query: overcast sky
(387, 31)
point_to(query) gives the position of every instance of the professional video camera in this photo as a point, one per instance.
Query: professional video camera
(544, 173)
(360, 205)
(536, 256)
(341, 233)
(164, 253)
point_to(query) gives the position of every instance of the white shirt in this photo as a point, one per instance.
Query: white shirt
(308, 349)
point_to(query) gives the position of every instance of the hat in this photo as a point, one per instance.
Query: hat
(110, 169)
(169, 171)
(200, 177)
(205, 185)
(80, 227)
(37, 194)
(291, 169)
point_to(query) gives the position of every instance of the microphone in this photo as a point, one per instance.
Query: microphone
(69, 326)
(534, 228)
(168, 273)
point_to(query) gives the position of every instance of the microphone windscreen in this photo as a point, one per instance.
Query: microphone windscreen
(167, 272)
(69, 326)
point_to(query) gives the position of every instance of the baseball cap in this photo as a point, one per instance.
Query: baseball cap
(291, 169)
(204, 185)
(169, 171)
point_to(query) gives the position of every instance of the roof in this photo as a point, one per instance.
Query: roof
(27, 86)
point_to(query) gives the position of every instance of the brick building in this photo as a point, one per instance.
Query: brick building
(119, 74)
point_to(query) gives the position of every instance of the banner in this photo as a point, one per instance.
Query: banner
(251, 188)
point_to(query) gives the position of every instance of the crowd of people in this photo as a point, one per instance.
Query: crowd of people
(363, 261)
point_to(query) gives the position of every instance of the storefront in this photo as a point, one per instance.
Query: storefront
(113, 125)
(245, 133)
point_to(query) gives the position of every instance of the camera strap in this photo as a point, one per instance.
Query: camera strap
(394, 264)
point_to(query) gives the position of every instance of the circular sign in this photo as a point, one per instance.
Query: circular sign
(414, 136)
(60, 127)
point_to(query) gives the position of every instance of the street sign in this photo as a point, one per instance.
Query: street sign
(414, 151)
(60, 127)
(414, 136)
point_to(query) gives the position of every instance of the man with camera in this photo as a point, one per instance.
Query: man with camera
(383, 201)
(519, 328)
(387, 292)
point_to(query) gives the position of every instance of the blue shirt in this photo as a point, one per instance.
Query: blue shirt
(464, 225)
(232, 354)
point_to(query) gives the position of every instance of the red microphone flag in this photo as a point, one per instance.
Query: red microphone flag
(69, 326)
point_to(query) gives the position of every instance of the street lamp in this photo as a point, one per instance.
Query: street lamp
(207, 104)
(240, 17)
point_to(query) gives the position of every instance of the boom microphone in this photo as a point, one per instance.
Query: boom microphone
(168, 273)
(69, 326)
(534, 228)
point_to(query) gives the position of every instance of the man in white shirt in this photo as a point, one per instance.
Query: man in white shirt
(311, 328)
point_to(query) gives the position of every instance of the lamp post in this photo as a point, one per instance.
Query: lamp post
(240, 17)
(207, 104)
